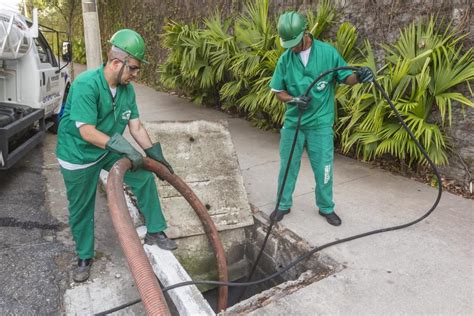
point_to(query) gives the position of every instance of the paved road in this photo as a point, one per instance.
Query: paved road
(33, 263)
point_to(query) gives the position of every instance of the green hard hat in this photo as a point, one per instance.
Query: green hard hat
(291, 27)
(130, 42)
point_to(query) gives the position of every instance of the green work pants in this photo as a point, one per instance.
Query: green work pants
(81, 186)
(319, 145)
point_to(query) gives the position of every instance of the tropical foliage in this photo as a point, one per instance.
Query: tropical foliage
(229, 63)
(420, 72)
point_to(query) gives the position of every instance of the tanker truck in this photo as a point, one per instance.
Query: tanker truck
(34, 84)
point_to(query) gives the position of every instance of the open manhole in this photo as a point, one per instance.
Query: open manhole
(282, 248)
(241, 231)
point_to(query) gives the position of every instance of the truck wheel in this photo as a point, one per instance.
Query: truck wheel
(54, 128)
(56, 118)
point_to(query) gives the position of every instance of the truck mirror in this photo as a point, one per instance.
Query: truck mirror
(67, 52)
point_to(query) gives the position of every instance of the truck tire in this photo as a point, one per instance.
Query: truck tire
(56, 118)
(54, 128)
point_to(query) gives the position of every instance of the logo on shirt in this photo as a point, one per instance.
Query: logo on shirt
(320, 86)
(126, 115)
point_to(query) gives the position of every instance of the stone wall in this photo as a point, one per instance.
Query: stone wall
(378, 21)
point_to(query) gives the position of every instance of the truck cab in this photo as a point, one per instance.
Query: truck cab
(33, 85)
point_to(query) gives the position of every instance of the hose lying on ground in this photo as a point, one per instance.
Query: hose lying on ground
(336, 242)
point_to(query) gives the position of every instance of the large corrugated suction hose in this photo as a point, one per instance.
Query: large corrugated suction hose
(142, 272)
(140, 267)
(206, 220)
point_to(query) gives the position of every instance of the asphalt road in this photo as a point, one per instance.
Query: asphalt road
(34, 265)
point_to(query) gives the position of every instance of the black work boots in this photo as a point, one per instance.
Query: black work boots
(332, 218)
(278, 215)
(161, 240)
(82, 271)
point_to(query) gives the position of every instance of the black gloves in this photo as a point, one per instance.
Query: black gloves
(118, 144)
(364, 74)
(302, 102)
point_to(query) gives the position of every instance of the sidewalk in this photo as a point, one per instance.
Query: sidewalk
(424, 269)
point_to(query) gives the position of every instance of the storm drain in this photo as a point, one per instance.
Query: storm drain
(282, 248)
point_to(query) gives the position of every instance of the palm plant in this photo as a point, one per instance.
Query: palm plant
(324, 18)
(198, 58)
(180, 69)
(346, 38)
(422, 68)
(219, 48)
(253, 65)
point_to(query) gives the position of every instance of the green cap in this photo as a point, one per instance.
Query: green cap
(291, 27)
(130, 42)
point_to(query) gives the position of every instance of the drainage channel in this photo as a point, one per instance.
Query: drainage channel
(283, 247)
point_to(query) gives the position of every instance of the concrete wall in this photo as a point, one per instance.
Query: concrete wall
(377, 20)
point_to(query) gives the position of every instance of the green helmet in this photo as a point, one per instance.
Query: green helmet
(291, 27)
(130, 42)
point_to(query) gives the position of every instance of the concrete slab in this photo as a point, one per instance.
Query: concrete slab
(202, 154)
(187, 300)
(101, 293)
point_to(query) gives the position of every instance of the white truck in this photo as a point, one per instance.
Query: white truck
(33, 84)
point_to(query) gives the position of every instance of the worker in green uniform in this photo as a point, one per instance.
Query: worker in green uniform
(304, 60)
(100, 104)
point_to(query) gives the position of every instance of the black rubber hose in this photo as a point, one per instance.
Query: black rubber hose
(280, 194)
(340, 241)
(282, 188)
(336, 242)
(118, 308)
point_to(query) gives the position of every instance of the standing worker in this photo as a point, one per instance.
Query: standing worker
(304, 60)
(100, 104)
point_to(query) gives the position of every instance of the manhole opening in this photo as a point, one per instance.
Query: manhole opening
(282, 248)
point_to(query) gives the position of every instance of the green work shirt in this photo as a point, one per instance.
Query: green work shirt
(90, 101)
(293, 77)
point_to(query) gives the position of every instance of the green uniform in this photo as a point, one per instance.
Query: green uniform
(90, 101)
(316, 132)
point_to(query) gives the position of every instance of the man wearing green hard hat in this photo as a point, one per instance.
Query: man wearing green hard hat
(303, 61)
(100, 105)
